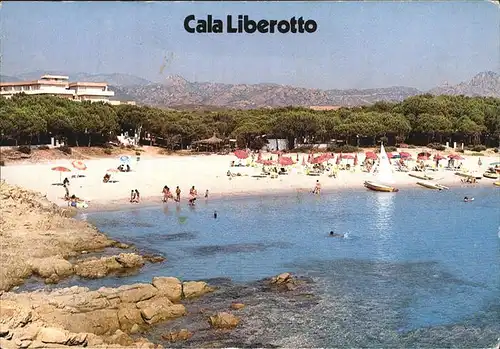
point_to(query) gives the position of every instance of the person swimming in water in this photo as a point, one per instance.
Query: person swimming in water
(215, 214)
(467, 199)
(335, 235)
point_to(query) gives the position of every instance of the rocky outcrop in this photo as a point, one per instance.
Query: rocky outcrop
(223, 320)
(36, 237)
(193, 289)
(94, 268)
(284, 282)
(175, 336)
(77, 316)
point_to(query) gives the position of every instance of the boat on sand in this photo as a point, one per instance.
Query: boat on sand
(490, 175)
(431, 185)
(383, 178)
(419, 176)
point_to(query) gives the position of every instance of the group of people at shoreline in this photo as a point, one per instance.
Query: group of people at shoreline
(193, 195)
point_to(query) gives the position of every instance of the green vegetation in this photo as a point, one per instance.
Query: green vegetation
(418, 120)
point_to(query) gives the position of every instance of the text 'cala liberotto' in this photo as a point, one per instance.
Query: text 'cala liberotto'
(243, 24)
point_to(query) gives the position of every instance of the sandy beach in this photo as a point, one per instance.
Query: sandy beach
(205, 172)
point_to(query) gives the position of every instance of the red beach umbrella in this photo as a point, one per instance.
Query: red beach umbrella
(347, 156)
(285, 161)
(266, 162)
(240, 154)
(422, 157)
(455, 157)
(404, 155)
(60, 169)
(439, 157)
(371, 155)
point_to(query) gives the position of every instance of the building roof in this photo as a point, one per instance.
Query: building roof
(60, 77)
(88, 84)
(31, 83)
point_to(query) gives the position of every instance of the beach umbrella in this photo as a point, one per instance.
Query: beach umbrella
(422, 157)
(455, 157)
(404, 155)
(371, 155)
(125, 159)
(347, 156)
(60, 169)
(79, 165)
(240, 154)
(439, 157)
(495, 163)
(266, 162)
(285, 161)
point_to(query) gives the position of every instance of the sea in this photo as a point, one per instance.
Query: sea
(417, 268)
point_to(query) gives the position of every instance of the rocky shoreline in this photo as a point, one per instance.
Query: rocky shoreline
(40, 239)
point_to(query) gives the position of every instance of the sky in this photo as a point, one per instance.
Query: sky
(357, 44)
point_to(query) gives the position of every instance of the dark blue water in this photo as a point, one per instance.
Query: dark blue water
(410, 260)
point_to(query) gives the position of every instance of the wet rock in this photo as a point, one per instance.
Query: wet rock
(94, 268)
(130, 260)
(153, 258)
(175, 336)
(53, 279)
(284, 282)
(223, 320)
(237, 306)
(169, 287)
(192, 289)
(46, 267)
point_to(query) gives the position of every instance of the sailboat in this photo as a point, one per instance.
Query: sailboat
(384, 178)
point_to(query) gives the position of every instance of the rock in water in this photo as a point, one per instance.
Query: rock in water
(223, 320)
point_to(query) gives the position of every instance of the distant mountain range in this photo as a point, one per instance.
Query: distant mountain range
(177, 92)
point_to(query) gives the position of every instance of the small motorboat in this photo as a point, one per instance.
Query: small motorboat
(418, 176)
(490, 175)
(431, 185)
(380, 187)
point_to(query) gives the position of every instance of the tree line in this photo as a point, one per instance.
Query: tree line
(418, 120)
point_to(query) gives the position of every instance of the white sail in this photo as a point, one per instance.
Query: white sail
(384, 173)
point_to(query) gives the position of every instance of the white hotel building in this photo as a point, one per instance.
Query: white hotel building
(58, 85)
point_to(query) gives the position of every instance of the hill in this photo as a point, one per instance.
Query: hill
(177, 92)
(485, 84)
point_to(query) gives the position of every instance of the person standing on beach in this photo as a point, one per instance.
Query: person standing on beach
(206, 194)
(317, 188)
(178, 194)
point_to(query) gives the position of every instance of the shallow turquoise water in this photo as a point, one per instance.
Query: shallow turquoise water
(416, 259)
